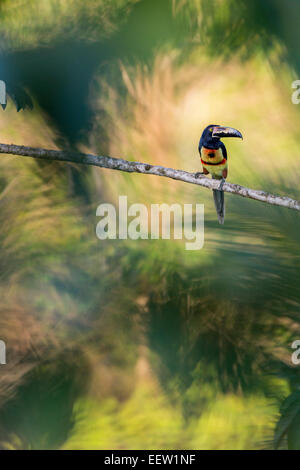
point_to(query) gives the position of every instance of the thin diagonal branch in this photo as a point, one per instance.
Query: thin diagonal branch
(147, 169)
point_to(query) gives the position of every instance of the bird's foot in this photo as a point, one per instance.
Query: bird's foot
(200, 173)
(223, 181)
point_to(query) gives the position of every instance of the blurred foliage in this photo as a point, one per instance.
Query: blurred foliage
(142, 344)
(147, 421)
(41, 22)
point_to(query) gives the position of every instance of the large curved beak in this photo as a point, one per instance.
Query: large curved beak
(220, 132)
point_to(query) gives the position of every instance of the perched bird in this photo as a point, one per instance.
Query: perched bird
(213, 157)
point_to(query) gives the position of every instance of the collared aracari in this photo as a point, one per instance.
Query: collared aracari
(213, 157)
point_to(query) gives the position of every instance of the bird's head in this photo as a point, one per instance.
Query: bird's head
(213, 133)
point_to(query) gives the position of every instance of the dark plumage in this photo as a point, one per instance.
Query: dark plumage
(213, 156)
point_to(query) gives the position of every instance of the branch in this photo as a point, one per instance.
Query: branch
(147, 169)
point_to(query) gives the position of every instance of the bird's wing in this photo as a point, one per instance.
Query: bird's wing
(200, 145)
(223, 149)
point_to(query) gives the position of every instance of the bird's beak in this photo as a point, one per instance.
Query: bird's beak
(220, 132)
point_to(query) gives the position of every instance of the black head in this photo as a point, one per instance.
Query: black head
(213, 133)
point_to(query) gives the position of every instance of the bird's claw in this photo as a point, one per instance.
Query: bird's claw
(200, 173)
(222, 184)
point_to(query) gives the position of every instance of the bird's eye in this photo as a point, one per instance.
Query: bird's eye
(211, 129)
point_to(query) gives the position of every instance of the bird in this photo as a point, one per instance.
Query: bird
(213, 155)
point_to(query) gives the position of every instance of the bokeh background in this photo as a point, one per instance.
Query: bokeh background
(142, 344)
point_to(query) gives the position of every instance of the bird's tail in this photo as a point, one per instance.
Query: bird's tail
(219, 204)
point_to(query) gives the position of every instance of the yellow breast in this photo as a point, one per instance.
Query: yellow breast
(213, 161)
(211, 155)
